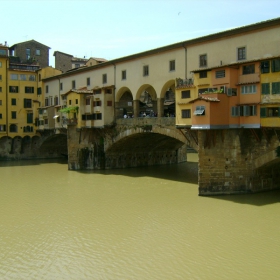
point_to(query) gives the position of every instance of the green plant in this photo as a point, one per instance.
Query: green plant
(71, 109)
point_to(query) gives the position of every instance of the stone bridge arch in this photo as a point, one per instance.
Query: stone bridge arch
(142, 144)
(54, 145)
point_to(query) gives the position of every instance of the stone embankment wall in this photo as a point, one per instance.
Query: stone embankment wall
(238, 161)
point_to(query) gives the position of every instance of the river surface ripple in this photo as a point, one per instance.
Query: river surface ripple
(139, 223)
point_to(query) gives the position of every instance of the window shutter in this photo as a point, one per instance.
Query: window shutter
(246, 111)
(263, 112)
(254, 110)
(233, 111)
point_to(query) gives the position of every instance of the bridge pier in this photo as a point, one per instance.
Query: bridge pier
(234, 161)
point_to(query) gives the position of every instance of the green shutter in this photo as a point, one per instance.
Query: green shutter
(30, 118)
(266, 88)
(263, 112)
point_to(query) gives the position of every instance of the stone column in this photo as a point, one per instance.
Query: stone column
(136, 108)
(160, 109)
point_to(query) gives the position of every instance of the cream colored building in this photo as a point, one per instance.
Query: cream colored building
(153, 73)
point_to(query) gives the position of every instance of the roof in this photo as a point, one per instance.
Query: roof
(184, 44)
(30, 41)
(203, 98)
(54, 54)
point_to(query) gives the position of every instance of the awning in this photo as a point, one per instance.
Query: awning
(56, 116)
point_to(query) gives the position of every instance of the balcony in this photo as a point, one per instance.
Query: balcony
(183, 83)
(249, 78)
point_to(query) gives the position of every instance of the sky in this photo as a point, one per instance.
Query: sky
(116, 28)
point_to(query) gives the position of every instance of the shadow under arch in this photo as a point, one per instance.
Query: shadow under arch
(54, 146)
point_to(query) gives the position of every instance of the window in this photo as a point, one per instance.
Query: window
(96, 103)
(27, 103)
(0, 117)
(108, 90)
(203, 60)
(199, 111)
(265, 67)
(88, 81)
(56, 100)
(220, 74)
(97, 91)
(61, 86)
(241, 53)
(104, 78)
(124, 75)
(70, 102)
(172, 65)
(27, 54)
(47, 89)
(186, 113)
(202, 90)
(249, 110)
(77, 65)
(29, 89)
(87, 101)
(0, 64)
(275, 65)
(29, 118)
(99, 116)
(73, 84)
(185, 94)
(46, 121)
(14, 114)
(109, 103)
(50, 101)
(0, 77)
(22, 77)
(77, 101)
(146, 70)
(248, 69)
(265, 88)
(248, 89)
(0, 89)
(270, 112)
(2, 127)
(13, 128)
(38, 52)
(46, 102)
(14, 76)
(39, 91)
(276, 88)
(13, 89)
(235, 111)
(0, 102)
(3, 52)
(32, 78)
(13, 101)
(203, 74)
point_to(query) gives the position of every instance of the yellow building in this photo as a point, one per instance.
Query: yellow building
(270, 92)
(3, 89)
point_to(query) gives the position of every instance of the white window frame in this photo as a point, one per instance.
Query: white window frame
(249, 89)
(199, 111)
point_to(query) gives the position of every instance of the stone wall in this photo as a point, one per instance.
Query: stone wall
(227, 161)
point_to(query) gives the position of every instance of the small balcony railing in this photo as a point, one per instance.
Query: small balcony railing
(184, 83)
